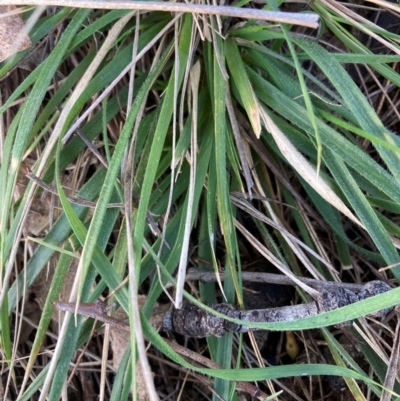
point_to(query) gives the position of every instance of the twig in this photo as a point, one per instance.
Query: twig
(192, 321)
(86, 203)
(308, 20)
(280, 279)
(96, 310)
(73, 199)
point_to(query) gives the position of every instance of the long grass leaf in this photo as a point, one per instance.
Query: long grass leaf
(355, 101)
(364, 210)
(239, 75)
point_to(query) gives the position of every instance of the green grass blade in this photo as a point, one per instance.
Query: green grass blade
(364, 211)
(157, 145)
(239, 75)
(355, 101)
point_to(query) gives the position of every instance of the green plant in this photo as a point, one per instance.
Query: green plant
(208, 108)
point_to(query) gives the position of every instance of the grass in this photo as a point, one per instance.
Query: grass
(212, 142)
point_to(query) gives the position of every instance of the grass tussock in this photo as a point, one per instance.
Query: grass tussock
(137, 144)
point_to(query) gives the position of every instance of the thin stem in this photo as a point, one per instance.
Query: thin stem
(194, 274)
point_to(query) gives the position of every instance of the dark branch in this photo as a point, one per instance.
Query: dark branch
(192, 321)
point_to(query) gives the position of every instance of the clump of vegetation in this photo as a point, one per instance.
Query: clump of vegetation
(138, 144)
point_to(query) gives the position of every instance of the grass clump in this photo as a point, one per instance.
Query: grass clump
(159, 141)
